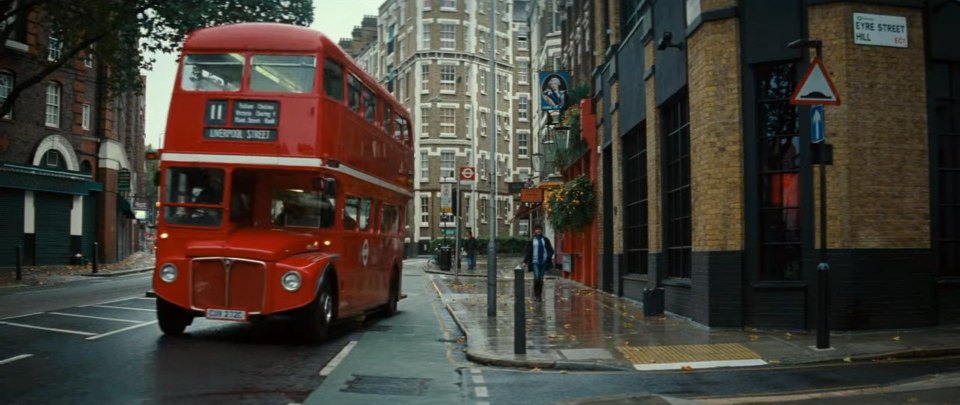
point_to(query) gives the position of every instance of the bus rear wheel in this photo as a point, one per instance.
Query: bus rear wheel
(173, 320)
(315, 321)
(390, 308)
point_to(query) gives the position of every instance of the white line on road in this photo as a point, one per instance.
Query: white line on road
(481, 392)
(476, 370)
(121, 330)
(337, 359)
(146, 298)
(15, 358)
(699, 364)
(478, 379)
(94, 317)
(24, 316)
(75, 332)
(132, 309)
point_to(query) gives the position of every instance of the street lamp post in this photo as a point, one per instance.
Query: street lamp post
(492, 235)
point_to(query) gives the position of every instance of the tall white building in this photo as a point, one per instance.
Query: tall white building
(434, 57)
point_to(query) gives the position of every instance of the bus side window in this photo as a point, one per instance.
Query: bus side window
(369, 105)
(366, 214)
(398, 128)
(333, 80)
(354, 93)
(406, 131)
(387, 118)
(351, 211)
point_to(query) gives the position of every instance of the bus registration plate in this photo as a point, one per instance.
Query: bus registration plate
(226, 314)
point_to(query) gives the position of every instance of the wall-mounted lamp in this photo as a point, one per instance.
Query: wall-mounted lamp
(666, 41)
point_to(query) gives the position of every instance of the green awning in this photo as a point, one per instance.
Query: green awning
(42, 179)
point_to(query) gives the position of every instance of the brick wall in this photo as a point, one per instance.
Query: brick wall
(654, 212)
(716, 137)
(878, 187)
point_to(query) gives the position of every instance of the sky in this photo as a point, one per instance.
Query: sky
(335, 18)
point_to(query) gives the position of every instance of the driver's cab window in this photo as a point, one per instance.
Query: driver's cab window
(351, 213)
(189, 188)
(301, 209)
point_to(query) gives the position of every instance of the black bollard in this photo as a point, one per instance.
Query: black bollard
(96, 257)
(19, 263)
(519, 313)
(823, 306)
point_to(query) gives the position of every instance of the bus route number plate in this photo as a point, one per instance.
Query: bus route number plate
(226, 314)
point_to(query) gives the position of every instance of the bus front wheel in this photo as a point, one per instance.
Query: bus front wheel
(316, 321)
(173, 320)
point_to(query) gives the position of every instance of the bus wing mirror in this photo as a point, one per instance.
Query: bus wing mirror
(326, 184)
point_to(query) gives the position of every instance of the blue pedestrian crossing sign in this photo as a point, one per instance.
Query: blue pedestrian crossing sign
(817, 127)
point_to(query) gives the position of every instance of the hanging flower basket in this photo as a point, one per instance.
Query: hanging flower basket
(572, 206)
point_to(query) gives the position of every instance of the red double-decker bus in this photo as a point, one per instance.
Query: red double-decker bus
(285, 172)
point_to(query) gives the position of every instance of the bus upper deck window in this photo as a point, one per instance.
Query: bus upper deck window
(333, 80)
(369, 105)
(212, 72)
(283, 73)
(353, 85)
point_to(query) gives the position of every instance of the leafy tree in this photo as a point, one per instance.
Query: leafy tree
(119, 33)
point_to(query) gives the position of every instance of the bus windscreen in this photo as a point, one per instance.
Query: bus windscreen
(212, 72)
(283, 73)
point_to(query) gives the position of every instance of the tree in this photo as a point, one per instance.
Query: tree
(119, 33)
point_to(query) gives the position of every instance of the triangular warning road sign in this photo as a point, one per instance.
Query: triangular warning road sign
(816, 87)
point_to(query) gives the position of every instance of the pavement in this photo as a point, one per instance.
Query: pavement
(581, 328)
(138, 262)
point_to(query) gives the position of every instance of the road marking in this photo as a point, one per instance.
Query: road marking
(476, 370)
(93, 317)
(75, 332)
(24, 316)
(15, 358)
(121, 330)
(699, 364)
(132, 309)
(481, 392)
(145, 298)
(337, 359)
(478, 379)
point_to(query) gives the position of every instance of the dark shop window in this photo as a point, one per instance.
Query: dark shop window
(676, 119)
(948, 173)
(779, 150)
(635, 200)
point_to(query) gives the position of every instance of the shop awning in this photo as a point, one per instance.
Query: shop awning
(524, 211)
(35, 178)
(124, 207)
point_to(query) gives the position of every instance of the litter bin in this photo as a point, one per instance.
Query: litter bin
(653, 302)
(445, 258)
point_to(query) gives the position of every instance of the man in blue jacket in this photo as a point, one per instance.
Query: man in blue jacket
(539, 259)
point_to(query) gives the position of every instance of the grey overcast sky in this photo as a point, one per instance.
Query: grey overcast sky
(335, 18)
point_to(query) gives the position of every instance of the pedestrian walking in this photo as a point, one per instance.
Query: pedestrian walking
(539, 259)
(470, 248)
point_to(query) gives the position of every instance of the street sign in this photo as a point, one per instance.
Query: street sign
(468, 173)
(450, 231)
(531, 195)
(446, 197)
(817, 126)
(880, 30)
(816, 87)
(123, 180)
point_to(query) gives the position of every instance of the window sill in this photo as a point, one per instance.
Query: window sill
(637, 277)
(779, 285)
(677, 282)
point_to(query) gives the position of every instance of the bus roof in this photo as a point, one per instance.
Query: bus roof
(259, 36)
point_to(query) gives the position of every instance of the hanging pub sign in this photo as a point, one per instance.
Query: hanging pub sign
(553, 90)
(123, 180)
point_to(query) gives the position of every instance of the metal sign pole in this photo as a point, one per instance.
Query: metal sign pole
(456, 222)
(492, 235)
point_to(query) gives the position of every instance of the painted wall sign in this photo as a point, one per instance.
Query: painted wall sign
(880, 30)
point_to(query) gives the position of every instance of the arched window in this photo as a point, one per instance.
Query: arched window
(86, 167)
(6, 85)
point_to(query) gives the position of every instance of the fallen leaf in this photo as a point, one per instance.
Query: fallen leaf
(627, 325)
(788, 334)
(896, 338)
(754, 338)
(567, 326)
(535, 369)
(686, 368)
(847, 359)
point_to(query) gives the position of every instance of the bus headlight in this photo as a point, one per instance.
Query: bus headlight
(168, 273)
(291, 281)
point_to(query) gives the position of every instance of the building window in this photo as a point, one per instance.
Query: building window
(499, 125)
(424, 73)
(54, 48)
(53, 105)
(448, 120)
(427, 5)
(676, 119)
(424, 166)
(522, 42)
(448, 36)
(424, 209)
(448, 5)
(52, 159)
(426, 44)
(6, 85)
(447, 163)
(482, 167)
(85, 121)
(523, 107)
(483, 123)
(482, 41)
(948, 171)
(448, 78)
(522, 144)
(635, 228)
(482, 77)
(523, 73)
(779, 155)
(424, 120)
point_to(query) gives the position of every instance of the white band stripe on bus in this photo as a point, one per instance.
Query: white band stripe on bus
(280, 161)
